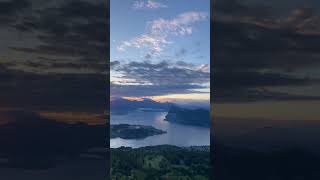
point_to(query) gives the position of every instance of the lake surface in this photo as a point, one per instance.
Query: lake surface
(177, 134)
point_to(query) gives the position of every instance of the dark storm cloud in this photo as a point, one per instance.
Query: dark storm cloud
(251, 46)
(163, 73)
(56, 65)
(70, 29)
(256, 47)
(52, 92)
(85, 9)
(236, 95)
(114, 64)
(155, 79)
(238, 8)
(59, 61)
(252, 79)
(10, 9)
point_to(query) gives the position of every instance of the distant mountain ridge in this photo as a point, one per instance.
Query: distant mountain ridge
(123, 106)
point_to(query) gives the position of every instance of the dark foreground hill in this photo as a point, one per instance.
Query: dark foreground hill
(30, 141)
(244, 164)
(251, 149)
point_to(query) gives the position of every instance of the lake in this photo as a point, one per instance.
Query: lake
(177, 134)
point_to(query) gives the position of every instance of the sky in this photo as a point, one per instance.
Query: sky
(53, 58)
(266, 61)
(53, 73)
(160, 49)
(265, 55)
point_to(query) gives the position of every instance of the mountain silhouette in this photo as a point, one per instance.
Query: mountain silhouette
(123, 106)
(30, 141)
(196, 117)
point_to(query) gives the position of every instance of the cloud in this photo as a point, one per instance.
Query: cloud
(163, 73)
(180, 25)
(118, 90)
(253, 95)
(57, 92)
(11, 7)
(238, 8)
(253, 79)
(300, 19)
(252, 46)
(114, 64)
(56, 55)
(148, 40)
(146, 78)
(10, 10)
(150, 4)
(258, 49)
(159, 32)
(74, 30)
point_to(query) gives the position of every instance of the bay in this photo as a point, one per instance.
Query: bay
(177, 134)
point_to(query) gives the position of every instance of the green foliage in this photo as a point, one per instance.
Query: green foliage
(160, 163)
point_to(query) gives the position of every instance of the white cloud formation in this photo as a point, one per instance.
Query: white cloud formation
(159, 31)
(180, 25)
(204, 68)
(148, 5)
(146, 40)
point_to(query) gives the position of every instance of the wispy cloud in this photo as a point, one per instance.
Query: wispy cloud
(180, 25)
(148, 5)
(159, 32)
(147, 40)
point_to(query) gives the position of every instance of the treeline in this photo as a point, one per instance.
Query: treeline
(159, 163)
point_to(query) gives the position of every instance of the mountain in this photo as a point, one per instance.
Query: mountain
(123, 106)
(31, 141)
(195, 117)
